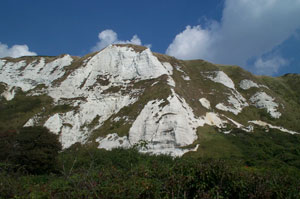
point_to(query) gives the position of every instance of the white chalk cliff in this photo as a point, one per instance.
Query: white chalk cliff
(100, 85)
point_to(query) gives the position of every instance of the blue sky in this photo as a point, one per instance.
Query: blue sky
(262, 36)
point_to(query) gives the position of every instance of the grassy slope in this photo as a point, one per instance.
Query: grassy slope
(286, 89)
(16, 112)
(258, 149)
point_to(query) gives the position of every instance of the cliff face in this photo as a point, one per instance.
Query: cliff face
(126, 95)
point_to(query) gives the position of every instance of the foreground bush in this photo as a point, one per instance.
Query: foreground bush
(92, 173)
(32, 149)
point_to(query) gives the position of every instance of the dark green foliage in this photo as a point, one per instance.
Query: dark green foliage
(2, 89)
(34, 149)
(7, 139)
(92, 173)
(20, 104)
(61, 108)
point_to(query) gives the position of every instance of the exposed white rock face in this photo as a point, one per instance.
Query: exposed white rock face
(205, 103)
(72, 126)
(265, 124)
(238, 125)
(115, 65)
(9, 94)
(171, 81)
(227, 132)
(168, 67)
(184, 76)
(222, 107)
(179, 69)
(54, 123)
(112, 141)
(28, 76)
(212, 119)
(118, 66)
(221, 77)
(236, 102)
(248, 128)
(154, 83)
(167, 128)
(247, 84)
(123, 63)
(32, 121)
(263, 101)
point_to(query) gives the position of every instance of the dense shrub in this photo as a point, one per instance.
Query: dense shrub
(7, 139)
(34, 149)
(92, 173)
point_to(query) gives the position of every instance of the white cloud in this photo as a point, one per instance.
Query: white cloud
(269, 66)
(108, 37)
(248, 28)
(15, 51)
(193, 42)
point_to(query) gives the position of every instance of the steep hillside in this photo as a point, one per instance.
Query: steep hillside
(125, 96)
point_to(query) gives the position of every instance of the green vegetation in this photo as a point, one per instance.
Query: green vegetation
(61, 108)
(33, 149)
(92, 173)
(2, 87)
(286, 91)
(236, 165)
(213, 144)
(260, 149)
(15, 113)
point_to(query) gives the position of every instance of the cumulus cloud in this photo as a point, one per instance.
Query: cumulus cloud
(269, 66)
(15, 51)
(108, 37)
(193, 42)
(248, 28)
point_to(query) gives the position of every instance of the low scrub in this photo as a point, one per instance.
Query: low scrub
(91, 173)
